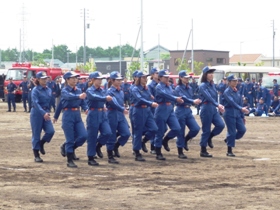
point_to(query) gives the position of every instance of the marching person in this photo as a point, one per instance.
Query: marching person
(164, 114)
(97, 118)
(152, 88)
(234, 114)
(51, 84)
(31, 85)
(143, 120)
(40, 115)
(184, 114)
(24, 89)
(125, 88)
(117, 120)
(209, 114)
(11, 88)
(75, 133)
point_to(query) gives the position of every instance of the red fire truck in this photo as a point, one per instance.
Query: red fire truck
(19, 70)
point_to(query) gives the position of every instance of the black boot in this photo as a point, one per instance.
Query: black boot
(116, 149)
(111, 158)
(230, 153)
(138, 156)
(74, 155)
(204, 152)
(91, 161)
(153, 150)
(225, 140)
(144, 141)
(181, 154)
(37, 156)
(187, 138)
(98, 150)
(42, 150)
(159, 154)
(165, 143)
(62, 150)
(210, 144)
(70, 162)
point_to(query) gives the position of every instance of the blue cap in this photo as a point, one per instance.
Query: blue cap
(239, 80)
(41, 75)
(163, 73)
(247, 79)
(206, 69)
(232, 77)
(183, 73)
(116, 75)
(70, 74)
(261, 98)
(154, 70)
(142, 74)
(134, 74)
(96, 75)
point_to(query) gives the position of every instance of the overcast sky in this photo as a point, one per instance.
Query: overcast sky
(235, 26)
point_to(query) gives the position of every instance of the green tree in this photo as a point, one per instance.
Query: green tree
(259, 63)
(165, 56)
(241, 64)
(197, 67)
(135, 65)
(182, 65)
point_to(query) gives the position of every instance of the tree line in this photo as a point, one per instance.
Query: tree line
(63, 53)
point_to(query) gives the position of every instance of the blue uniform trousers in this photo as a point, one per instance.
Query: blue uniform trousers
(118, 123)
(96, 121)
(11, 101)
(29, 100)
(185, 118)
(209, 115)
(235, 129)
(24, 100)
(131, 121)
(74, 130)
(143, 122)
(38, 123)
(52, 102)
(250, 100)
(165, 115)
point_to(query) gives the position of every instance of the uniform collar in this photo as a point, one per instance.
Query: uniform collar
(42, 88)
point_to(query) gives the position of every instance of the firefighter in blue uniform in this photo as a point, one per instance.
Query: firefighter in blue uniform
(117, 120)
(31, 85)
(152, 88)
(82, 85)
(240, 86)
(208, 113)
(132, 101)
(75, 133)
(248, 91)
(184, 114)
(265, 94)
(261, 108)
(234, 114)
(97, 118)
(221, 89)
(125, 88)
(11, 88)
(164, 113)
(194, 87)
(275, 87)
(24, 89)
(143, 119)
(51, 84)
(40, 115)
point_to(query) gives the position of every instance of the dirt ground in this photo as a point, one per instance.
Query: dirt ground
(248, 181)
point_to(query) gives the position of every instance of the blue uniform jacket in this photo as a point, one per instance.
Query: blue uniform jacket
(261, 108)
(70, 98)
(11, 87)
(118, 99)
(82, 86)
(186, 93)
(24, 86)
(249, 88)
(142, 96)
(96, 97)
(152, 87)
(52, 86)
(233, 103)
(275, 89)
(41, 97)
(274, 104)
(164, 93)
(125, 88)
(208, 93)
(240, 87)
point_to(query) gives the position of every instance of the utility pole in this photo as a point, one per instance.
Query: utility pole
(273, 44)
(158, 52)
(85, 16)
(192, 49)
(141, 51)
(120, 68)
